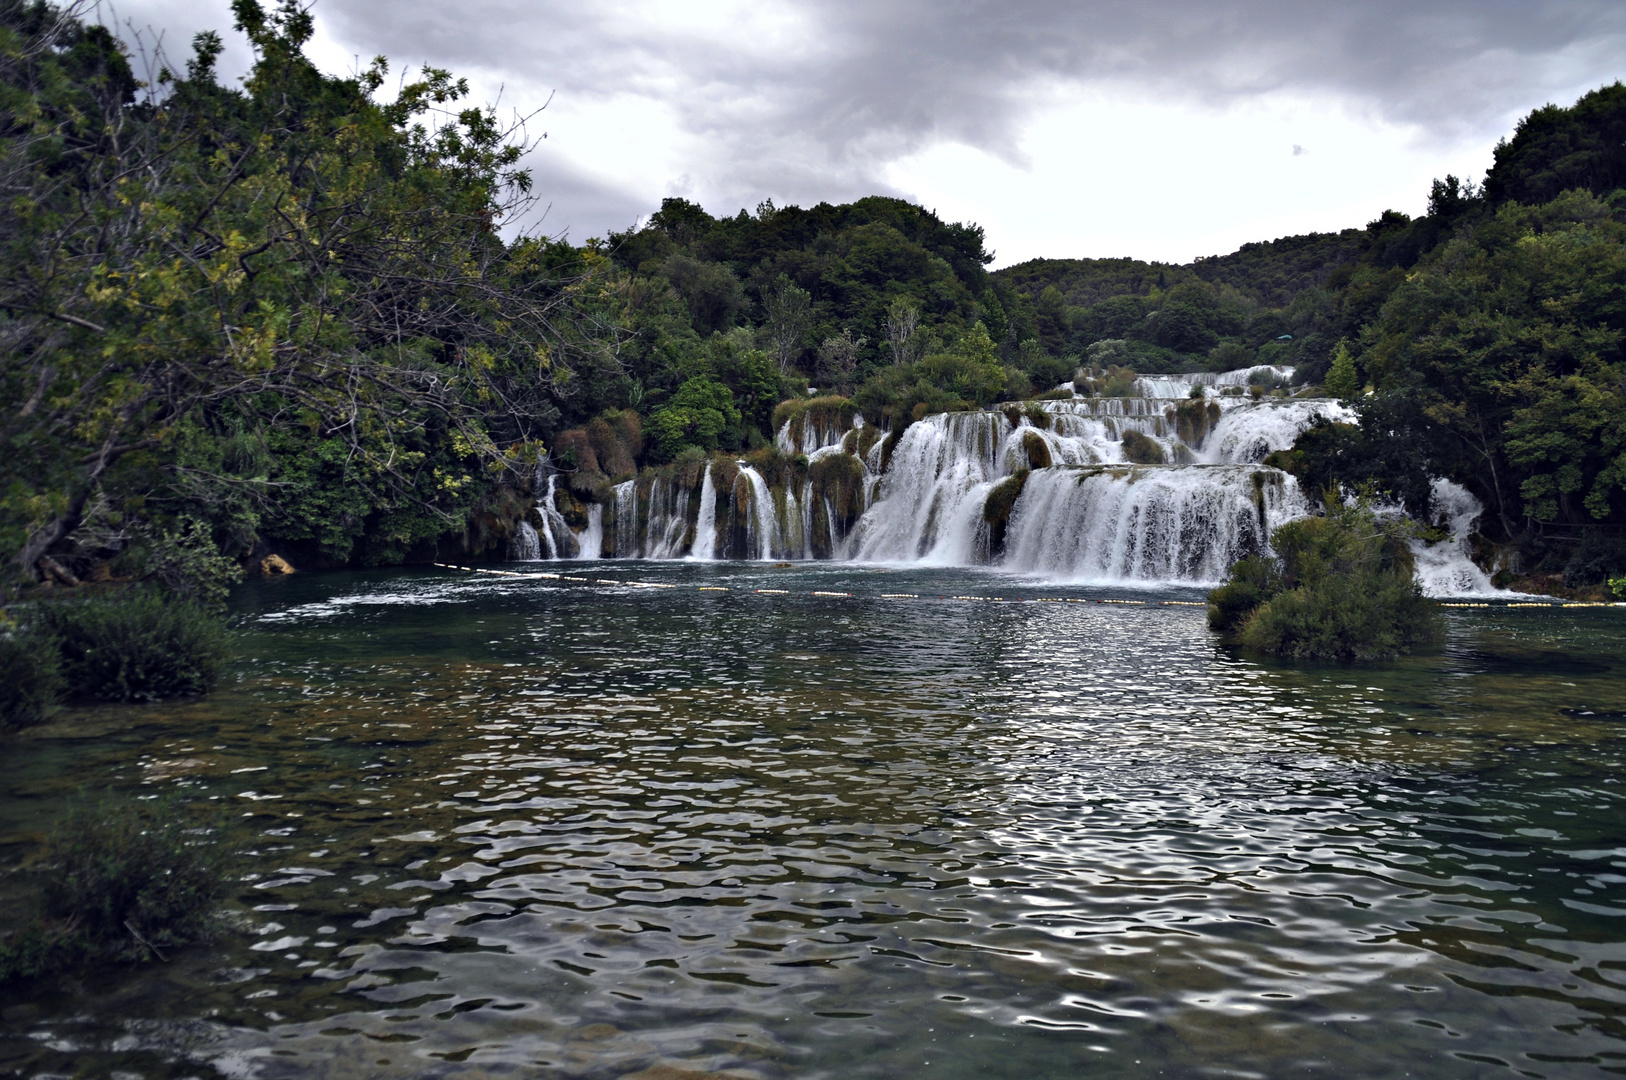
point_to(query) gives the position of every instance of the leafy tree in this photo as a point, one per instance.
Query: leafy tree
(788, 318)
(701, 414)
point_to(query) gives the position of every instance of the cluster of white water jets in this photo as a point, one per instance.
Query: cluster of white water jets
(1092, 516)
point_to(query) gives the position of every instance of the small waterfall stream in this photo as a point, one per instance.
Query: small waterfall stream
(1161, 487)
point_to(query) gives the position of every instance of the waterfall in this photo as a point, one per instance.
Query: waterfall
(1260, 428)
(705, 527)
(929, 504)
(1147, 524)
(527, 546)
(591, 541)
(1179, 386)
(1445, 568)
(1090, 509)
(761, 522)
(557, 539)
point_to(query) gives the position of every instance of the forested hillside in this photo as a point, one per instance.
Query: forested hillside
(282, 317)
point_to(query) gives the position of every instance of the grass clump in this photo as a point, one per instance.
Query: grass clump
(125, 881)
(138, 645)
(1340, 587)
(30, 676)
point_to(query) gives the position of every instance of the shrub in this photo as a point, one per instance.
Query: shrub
(30, 677)
(126, 880)
(1339, 588)
(139, 645)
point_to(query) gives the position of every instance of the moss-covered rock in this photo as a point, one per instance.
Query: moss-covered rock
(859, 440)
(1036, 449)
(996, 509)
(823, 415)
(1193, 419)
(1142, 449)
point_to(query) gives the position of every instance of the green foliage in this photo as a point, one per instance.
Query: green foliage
(1555, 149)
(30, 676)
(137, 645)
(1339, 588)
(1618, 587)
(292, 262)
(126, 880)
(700, 416)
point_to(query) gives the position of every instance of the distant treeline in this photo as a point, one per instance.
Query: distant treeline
(282, 317)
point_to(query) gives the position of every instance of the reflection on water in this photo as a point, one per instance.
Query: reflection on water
(524, 828)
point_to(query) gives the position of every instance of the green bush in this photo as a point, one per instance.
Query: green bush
(126, 881)
(139, 645)
(1339, 588)
(30, 677)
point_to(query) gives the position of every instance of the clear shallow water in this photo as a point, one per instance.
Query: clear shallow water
(509, 827)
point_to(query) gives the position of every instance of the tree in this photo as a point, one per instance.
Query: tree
(1341, 381)
(902, 319)
(838, 357)
(291, 255)
(700, 414)
(789, 313)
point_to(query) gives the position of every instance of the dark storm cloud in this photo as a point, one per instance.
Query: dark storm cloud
(818, 111)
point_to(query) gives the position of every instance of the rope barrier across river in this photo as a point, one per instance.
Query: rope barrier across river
(543, 575)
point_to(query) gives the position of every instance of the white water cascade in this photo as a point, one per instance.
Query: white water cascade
(705, 526)
(1147, 524)
(1160, 488)
(526, 546)
(1445, 568)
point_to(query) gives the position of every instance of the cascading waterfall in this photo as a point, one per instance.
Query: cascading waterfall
(527, 546)
(705, 526)
(761, 521)
(1445, 568)
(1254, 432)
(591, 541)
(558, 542)
(1086, 511)
(1147, 524)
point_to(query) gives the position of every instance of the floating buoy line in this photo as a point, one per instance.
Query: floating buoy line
(627, 583)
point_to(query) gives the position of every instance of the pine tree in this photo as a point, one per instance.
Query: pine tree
(1341, 381)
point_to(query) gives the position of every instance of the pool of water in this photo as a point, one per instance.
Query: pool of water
(504, 827)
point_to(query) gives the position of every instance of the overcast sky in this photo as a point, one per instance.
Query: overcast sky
(1162, 130)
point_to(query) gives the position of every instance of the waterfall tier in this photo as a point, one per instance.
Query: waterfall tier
(1158, 488)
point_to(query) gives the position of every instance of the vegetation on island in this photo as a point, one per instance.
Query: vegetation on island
(1337, 587)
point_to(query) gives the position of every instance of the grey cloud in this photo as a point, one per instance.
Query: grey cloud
(871, 80)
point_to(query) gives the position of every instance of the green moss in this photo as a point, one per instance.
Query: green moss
(1142, 449)
(828, 413)
(839, 478)
(1037, 450)
(1194, 418)
(1038, 416)
(859, 440)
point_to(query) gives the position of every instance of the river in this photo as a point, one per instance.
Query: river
(506, 827)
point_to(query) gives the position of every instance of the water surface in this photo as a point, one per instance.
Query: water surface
(520, 827)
